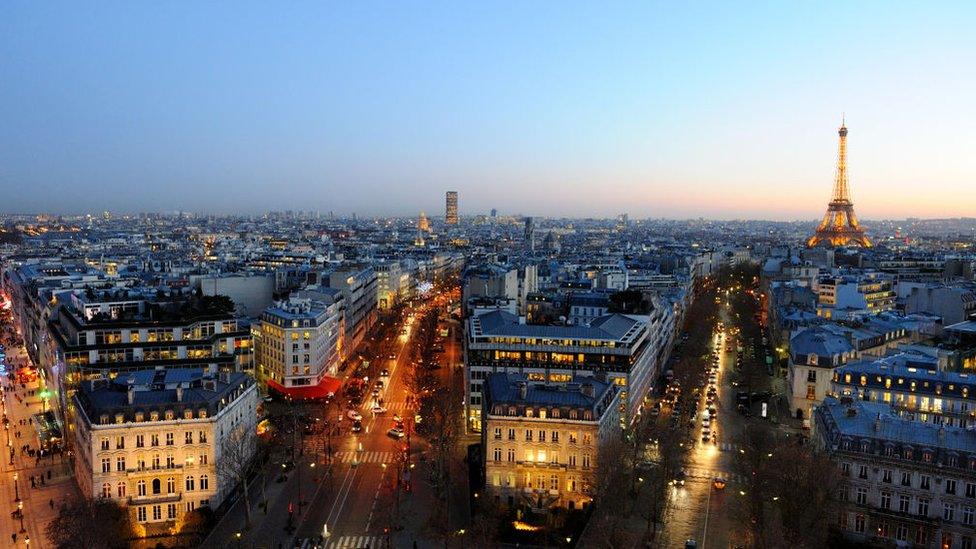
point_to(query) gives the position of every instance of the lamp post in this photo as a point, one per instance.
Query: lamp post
(16, 488)
(20, 511)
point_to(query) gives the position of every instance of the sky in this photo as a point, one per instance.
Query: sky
(721, 110)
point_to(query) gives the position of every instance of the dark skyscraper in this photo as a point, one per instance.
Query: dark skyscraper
(451, 210)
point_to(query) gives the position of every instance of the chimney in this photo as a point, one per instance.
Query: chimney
(179, 393)
(132, 395)
(587, 389)
(877, 423)
(523, 388)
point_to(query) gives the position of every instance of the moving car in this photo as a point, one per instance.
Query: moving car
(354, 415)
(395, 433)
(377, 409)
(357, 426)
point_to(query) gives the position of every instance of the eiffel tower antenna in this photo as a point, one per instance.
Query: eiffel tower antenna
(839, 226)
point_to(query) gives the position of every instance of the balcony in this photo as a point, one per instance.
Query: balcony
(157, 498)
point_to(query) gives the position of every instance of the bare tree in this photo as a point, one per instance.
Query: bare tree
(237, 462)
(92, 523)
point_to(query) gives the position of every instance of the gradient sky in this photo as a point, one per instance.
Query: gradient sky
(676, 109)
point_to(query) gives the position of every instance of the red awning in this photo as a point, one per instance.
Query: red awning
(308, 392)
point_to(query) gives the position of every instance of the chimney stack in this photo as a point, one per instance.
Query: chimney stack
(523, 388)
(587, 389)
(131, 388)
(179, 393)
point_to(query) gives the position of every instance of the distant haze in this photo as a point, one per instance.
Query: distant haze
(545, 108)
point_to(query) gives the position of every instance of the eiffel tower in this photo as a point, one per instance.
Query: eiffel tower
(839, 226)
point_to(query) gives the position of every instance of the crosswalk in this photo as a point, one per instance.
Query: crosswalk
(364, 457)
(355, 542)
(728, 447)
(696, 472)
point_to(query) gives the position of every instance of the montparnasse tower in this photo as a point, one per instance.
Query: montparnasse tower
(839, 226)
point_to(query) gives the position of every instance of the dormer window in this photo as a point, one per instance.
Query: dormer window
(119, 418)
(169, 415)
(927, 456)
(203, 413)
(103, 419)
(908, 453)
(154, 416)
(140, 416)
(528, 412)
(187, 414)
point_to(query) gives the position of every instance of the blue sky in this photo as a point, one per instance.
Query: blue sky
(544, 108)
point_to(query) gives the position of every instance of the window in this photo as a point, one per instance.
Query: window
(906, 478)
(141, 514)
(106, 490)
(497, 454)
(528, 435)
(202, 436)
(121, 489)
(204, 482)
(859, 524)
(555, 436)
(967, 516)
(586, 461)
(120, 464)
(498, 433)
(203, 459)
(542, 436)
(106, 465)
(511, 434)
(140, 441)
(141, 488)
(171, 511)
(845, 469)
(886, 475)
(886, 500)
(883, 529)
(572, 460)
(169, 439)
(862, 496)
(188, 437)
(901, 532)
(923, 507)
(553, 482)
(925, 482)
(862, 471)
(572, 438)
(154, 440)
(950, 486)
(157, 486)
(903, 503)
(104, 443)
(157, 512)
(948, 512)
(970, 490)
(587, 439)
(171, 485)
(190, 483)
(120, 443)
(811, 376)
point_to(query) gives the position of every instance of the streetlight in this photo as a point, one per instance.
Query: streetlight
(238, 536)
(20, 511)
(16, 488)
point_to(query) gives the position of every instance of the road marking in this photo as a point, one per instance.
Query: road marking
(354, 542)
(363, 457)
(346, 486)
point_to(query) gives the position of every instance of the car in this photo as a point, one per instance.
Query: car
(377, 409)
(705, 438)
(354, 415)
(357, 426)
(395, 433)
(679, 479)
(379, 383)
(385, 373)
(397, 418)
(399, 425)
(376, 392)
(719, 483)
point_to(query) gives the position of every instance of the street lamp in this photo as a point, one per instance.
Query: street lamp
(20, 511)
(16, 488)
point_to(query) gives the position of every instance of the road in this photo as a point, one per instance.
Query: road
(698, 510)
(365, 500)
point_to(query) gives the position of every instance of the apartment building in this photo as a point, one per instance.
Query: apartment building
(155, 440)
(621, 346)
(841, 296)
(542, 441)
(298, 343)
(902, 482)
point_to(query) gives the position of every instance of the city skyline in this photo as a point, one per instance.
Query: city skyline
(722, 113)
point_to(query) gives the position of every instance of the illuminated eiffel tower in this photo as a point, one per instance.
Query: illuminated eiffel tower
(839, 226)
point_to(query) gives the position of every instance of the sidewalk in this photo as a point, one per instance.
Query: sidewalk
(37, 501)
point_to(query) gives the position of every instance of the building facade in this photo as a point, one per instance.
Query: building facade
(155, 441)
(901, 482)
(542, 441)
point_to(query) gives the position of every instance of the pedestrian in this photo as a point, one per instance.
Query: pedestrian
(50, 502)
(49, 474)
(33, 484)
(14, 537)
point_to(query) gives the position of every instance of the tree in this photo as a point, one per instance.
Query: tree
(236, 463)
(90, 523)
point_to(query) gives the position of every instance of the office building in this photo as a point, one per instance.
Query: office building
(451, 208)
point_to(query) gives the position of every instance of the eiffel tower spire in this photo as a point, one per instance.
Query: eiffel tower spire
(839, 226)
